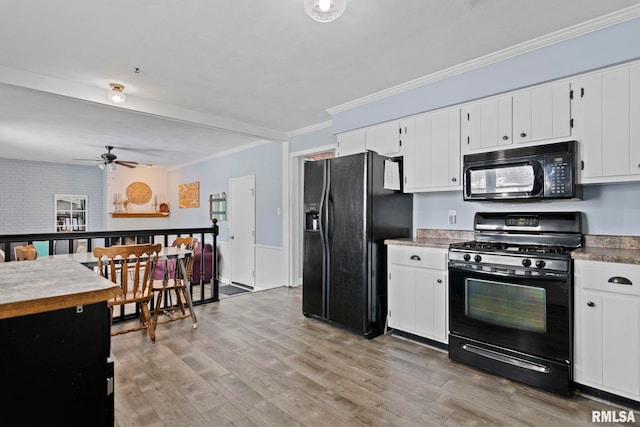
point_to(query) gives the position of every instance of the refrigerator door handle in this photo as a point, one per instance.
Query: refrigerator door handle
(324, 238)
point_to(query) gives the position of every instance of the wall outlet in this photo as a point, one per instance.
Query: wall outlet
(452, 217)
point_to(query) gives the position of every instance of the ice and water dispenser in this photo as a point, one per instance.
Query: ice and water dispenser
(312, 218)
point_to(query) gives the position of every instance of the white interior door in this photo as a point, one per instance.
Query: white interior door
(242, 229)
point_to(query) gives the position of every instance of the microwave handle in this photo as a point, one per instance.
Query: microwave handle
(538, 177)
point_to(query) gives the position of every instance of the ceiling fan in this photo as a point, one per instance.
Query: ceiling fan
(111, 160)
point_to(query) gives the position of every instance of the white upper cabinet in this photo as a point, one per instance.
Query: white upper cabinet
(527, 116)
(432, 155)
(350, 143)
(486, 124)
(604, 104)
(542, 113)
(384, 139)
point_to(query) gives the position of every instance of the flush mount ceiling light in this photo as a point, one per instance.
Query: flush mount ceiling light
(325, 10)
(116, 94)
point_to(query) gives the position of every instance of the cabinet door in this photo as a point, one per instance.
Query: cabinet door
(407, 134)
(634, 101)
(424, 303)
(602, 123)
(401, 298)
(445, 151)
(522, 116)
(487, 123)
(350, 143)
(542, 113)
(620, 343)
(384, 139)
(495, 122)
(432, 158)
(589, 337)
(615, 122)
(440, 308)
(587, 115)
(418, 155)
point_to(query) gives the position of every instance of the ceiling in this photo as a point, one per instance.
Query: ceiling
(214, 75)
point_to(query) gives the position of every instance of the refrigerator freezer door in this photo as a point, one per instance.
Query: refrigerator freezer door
(313, 289)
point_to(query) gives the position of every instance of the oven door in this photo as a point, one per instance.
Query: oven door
(529, 314)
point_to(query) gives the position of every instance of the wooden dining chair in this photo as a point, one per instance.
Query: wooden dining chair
(132, 267)
(25, 253)
(174, 281)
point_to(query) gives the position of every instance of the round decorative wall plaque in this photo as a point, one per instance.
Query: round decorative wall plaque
(138, 193)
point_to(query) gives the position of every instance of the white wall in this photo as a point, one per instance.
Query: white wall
(118, 180)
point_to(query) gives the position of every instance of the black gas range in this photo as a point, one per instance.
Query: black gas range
(511, 297)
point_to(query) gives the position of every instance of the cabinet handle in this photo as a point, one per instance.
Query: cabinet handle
(591, 304)
(522, 135)
(620, 280)
(454, 179)
(505, 137)
(439, 280)
(415, 257)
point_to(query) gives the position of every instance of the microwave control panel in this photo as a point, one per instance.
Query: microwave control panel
(558, 175)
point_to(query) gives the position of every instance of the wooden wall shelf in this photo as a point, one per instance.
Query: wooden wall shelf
(139, 214)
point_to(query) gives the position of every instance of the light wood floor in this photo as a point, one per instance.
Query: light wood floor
(255, 360)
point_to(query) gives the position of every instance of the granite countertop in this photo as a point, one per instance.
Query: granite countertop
(48, 284)
(432, 238)
(622, 249)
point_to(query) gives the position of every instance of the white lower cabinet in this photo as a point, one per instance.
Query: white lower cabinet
(607, 327)
(417, 291)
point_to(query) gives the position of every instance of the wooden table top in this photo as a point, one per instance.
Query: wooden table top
(87, 258)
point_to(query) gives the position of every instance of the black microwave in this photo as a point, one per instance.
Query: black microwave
(539, 172)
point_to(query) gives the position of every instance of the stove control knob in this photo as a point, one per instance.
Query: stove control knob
(540, 263)
(466, 257)
(526, 262)
(477, 258)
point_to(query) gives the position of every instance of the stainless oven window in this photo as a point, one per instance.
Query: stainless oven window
(507, 179)
(505, 304)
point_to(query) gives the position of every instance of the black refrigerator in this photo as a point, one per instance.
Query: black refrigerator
(348, 215)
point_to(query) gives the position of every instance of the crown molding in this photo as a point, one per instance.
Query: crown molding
(568, 33)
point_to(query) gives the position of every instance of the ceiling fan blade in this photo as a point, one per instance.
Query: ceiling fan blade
(126, 164)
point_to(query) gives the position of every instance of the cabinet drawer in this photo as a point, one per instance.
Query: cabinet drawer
(608, 277)
(413, 256)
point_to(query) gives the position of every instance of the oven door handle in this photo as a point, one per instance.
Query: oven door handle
(620, 280)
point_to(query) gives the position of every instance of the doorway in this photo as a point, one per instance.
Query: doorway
(297, 161)
(242, 230)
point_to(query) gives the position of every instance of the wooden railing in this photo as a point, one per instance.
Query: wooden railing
(69, 242)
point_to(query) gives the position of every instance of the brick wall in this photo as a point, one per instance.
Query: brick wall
(27, 191)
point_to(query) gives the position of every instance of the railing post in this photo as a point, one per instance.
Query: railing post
(214, 260)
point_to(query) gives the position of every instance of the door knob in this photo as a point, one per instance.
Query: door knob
(591, 304)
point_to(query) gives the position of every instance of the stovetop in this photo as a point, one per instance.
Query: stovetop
(530, 242)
